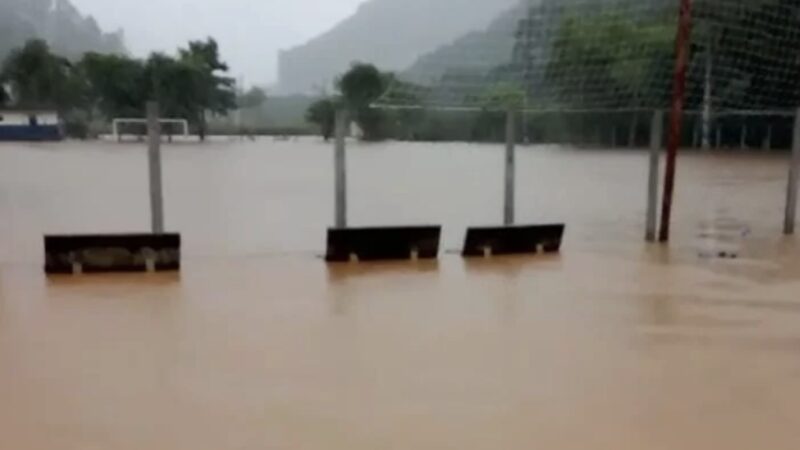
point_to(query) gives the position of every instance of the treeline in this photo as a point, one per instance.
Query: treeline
(600, 67)
(190, 84)
(363, 85)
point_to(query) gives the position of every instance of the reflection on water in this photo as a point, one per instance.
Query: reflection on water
(259, 344)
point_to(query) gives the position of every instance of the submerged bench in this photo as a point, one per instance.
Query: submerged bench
(382, 244)
(75, 254)
(513, 240)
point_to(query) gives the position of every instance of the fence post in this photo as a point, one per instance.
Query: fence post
(510, 168)
(656, 139)
(794, 176)
(707, 99)
(613, 136)
(682, 41)
(154, 163)
(743, 145)
(768, 138)
(340, 168)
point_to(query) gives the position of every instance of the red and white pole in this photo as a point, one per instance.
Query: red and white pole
(676, 114)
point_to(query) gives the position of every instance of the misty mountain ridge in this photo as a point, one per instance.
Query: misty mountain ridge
(69, 32)
(391, 34)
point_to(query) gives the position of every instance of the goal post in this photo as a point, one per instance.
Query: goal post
(118, 124)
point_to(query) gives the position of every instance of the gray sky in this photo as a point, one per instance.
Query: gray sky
(250, 32)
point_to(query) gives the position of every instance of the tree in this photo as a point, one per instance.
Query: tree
(323, 114)
(361, 86)
(213, 92)
(503, 96)
(595, 64)
(4, 97)
(37, 77)
(754, 54)
(253, 98)
(177, 85)
(116, 84)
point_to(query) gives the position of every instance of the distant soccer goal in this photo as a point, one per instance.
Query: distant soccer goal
(119, 125)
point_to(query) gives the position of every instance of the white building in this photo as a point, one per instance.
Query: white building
(20, 124)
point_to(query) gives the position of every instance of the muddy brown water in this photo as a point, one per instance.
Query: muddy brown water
(258, 344)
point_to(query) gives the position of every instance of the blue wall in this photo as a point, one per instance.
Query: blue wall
(30, 133)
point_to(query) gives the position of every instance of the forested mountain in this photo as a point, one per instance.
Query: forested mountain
(389, 33)
(67, 30)
(618, 54)
(478, 50)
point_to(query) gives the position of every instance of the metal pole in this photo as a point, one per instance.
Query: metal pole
(707, 93)
(154, 160)
(743, 144)
(768, 139)
(656, 140)
(613, 136)
(510, 168)
(794, 177)
(676, 114)
(340, 168)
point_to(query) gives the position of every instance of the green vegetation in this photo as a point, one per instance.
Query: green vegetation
(190, 86)
(360, 87)
(595, 70)
(253, 98)
(322, 113)
(594, 62)
(37, 77)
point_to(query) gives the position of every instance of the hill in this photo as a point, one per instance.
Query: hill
(66, 29)
(389, 33)
(476, 51)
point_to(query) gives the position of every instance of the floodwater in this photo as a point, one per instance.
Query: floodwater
(258, 344)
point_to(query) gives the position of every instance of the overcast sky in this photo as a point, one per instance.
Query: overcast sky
(250, 31)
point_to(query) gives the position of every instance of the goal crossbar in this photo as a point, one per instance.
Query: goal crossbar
(115, 124)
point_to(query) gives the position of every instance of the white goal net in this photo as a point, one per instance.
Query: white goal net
(614, 55)
(138, 127)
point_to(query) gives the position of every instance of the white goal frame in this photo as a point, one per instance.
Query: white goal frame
(116, 123)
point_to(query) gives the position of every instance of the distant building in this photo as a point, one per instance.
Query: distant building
(21, 124)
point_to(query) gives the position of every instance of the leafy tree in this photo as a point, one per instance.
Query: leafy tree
(253, 98)
(175, 84)
(361, 86)
(117, 85)
(594, 66)
(4, 97)
(36, 76)
(748, 46)
(323, 114)
(212, 91)
(503, 96)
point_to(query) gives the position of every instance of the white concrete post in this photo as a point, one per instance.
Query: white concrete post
(768, 138)
(794, 176)
(154, 162)
(510, 168)
(743, 145)
(340, 168)
(656, 141)
(707, 99)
